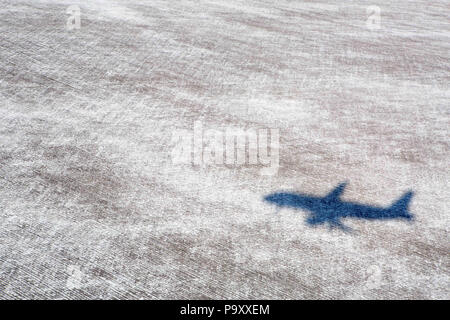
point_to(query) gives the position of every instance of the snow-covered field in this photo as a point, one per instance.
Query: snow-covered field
(92, 204)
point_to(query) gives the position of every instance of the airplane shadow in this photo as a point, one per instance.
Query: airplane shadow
(330, 209)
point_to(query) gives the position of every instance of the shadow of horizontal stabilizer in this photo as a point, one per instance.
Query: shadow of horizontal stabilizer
(330, 209)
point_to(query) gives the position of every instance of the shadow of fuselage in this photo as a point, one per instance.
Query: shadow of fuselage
(330, 208)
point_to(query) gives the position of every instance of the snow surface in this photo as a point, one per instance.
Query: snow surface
(91, 205)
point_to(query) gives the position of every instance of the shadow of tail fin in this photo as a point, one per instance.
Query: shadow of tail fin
(336, 192)
(401, 206)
